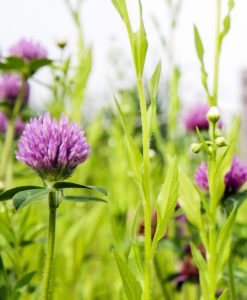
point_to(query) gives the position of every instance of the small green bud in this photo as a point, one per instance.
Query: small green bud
(196, 148)
(61, 43)
(213, 114)
(220, 141)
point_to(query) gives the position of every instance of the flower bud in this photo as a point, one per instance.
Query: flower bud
(61, 43)
(213, 114)
(220, 141)
(196, 148)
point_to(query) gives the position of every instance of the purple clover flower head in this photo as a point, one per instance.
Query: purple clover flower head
(3, 122)
(197, 117)
(201, 176)
(52, 148)
(28, 50)
(10, 85)
(236, 176)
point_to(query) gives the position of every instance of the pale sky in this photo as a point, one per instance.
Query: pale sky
(47, 20)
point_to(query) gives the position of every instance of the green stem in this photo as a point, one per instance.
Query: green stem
(165, 291)
(231, 279)
(212, 260)
(50, 246)
(146, 190)
(217, 54)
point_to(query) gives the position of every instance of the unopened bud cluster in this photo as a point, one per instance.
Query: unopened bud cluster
(213, 116)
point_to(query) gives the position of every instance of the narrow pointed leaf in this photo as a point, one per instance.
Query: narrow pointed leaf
(131, 285)
(224, 240)
(83, 198)
(166, 201)
(224, 295)
(189, 199)
(71, 185)
(9, 194)
(4, 289)
(153, 83)
(25, 280)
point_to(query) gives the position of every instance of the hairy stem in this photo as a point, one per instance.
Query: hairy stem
(50, 246)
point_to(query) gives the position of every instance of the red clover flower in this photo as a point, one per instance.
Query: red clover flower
(197, 117)
(234, 178)
(52, 148)
(28, 50)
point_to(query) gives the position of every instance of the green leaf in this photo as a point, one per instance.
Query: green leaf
(24, 281)
(83, 198)
(199, 45)
(153, 85)
(70, 185)
(200, 54)
(134, 223)
(226, 22)
(224, 240)
(4, 289)
(117, 5)
(36, 64)
(202, 266)
(223, 163)
(131, 285)
(15, 62)
(189, 199)
(199, 259)
(9, 194)
(174, 102)
(134, 157)
(224, 295)
(234, 200)
(139, 46)
(24, 198)
(166, 201)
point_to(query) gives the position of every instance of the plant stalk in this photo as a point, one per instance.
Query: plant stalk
(217, 54)
(50, 246)
(146, 190)
(232, 289)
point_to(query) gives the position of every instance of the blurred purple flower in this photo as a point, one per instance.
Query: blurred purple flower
(197, 117)
(28, 50)
(10, 85)
(189, 271)
(234, 178)
(52, 148)
(19, 127)
(3, 122)
(201, 176)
